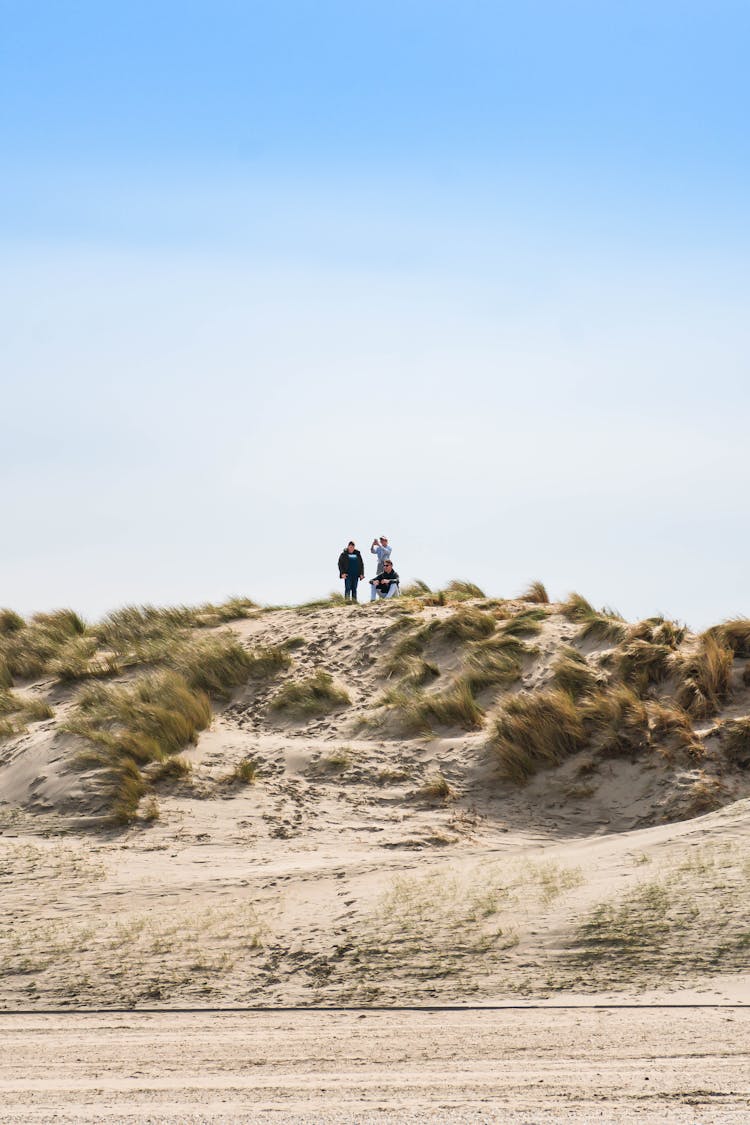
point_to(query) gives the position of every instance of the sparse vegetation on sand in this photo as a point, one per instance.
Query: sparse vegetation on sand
(17, 711)
(691, 917)
(314, 695)
(131, 726)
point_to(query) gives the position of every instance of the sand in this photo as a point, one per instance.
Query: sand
(667, 1065)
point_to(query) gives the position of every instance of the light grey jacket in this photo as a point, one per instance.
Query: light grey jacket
(383, 553)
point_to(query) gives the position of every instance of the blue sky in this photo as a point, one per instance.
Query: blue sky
(475, 275)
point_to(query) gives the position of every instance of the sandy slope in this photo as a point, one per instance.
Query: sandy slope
(335, 879)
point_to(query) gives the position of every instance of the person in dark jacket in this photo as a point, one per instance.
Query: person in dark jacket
(351, 569)
(385, 584)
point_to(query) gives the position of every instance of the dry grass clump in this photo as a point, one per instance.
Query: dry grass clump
(436, 788)
(524, 624)
(658, 631)
(461, 590)
(733, 634)
(173, 769)
(534, 731)
(641, 663)
(10, 621)
(214, 664)
(672, 730)
(466, 624)
(315, 695)
(422, 712)
(232, 609)
(494, 662)
(704, 677)
(417, 671)
(535, 592)
(604, 625)
(617, 721)
(79, 659)
(572, 673)
(27, 649)
(735, 739)
(244, 773)
(132, 726)
(17, 711)
(415, 589)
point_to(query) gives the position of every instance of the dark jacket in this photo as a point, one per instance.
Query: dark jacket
(385, 581)
(344, 563)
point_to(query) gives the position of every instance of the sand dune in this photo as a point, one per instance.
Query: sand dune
(363, 864)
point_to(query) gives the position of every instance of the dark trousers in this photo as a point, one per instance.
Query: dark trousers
(350, 586)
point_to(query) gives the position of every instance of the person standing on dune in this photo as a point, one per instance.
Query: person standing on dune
(351, 569)
(382, 550)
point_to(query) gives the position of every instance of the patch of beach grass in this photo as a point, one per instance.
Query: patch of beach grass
(315, 695)
(465, 624)
(130, 726)
(704, 676)
(572, 673)
(536, 731)
(17, 711)
(535, 592)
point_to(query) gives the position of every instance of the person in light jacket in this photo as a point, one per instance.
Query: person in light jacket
(382, 550)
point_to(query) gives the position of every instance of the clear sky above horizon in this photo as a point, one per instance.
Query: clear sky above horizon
(474, 275)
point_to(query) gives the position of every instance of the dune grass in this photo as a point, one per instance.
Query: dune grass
(461, 590)
(494, 662)
(465, 624)
(573, 673)
(536, 731)
(524, 624)
(640, 664)
(28, 649)
(616, 721)
(704, 676)
(17, 711)
(415, 589)
(598, 625)
(658, 631)
(436, 787)
(131, 726)
(672, 730)
(733, 634)
(307, 698)
(735, 742)
(416, 712)
(535, 592)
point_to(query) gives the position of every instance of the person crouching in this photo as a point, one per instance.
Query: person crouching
(384, 585)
